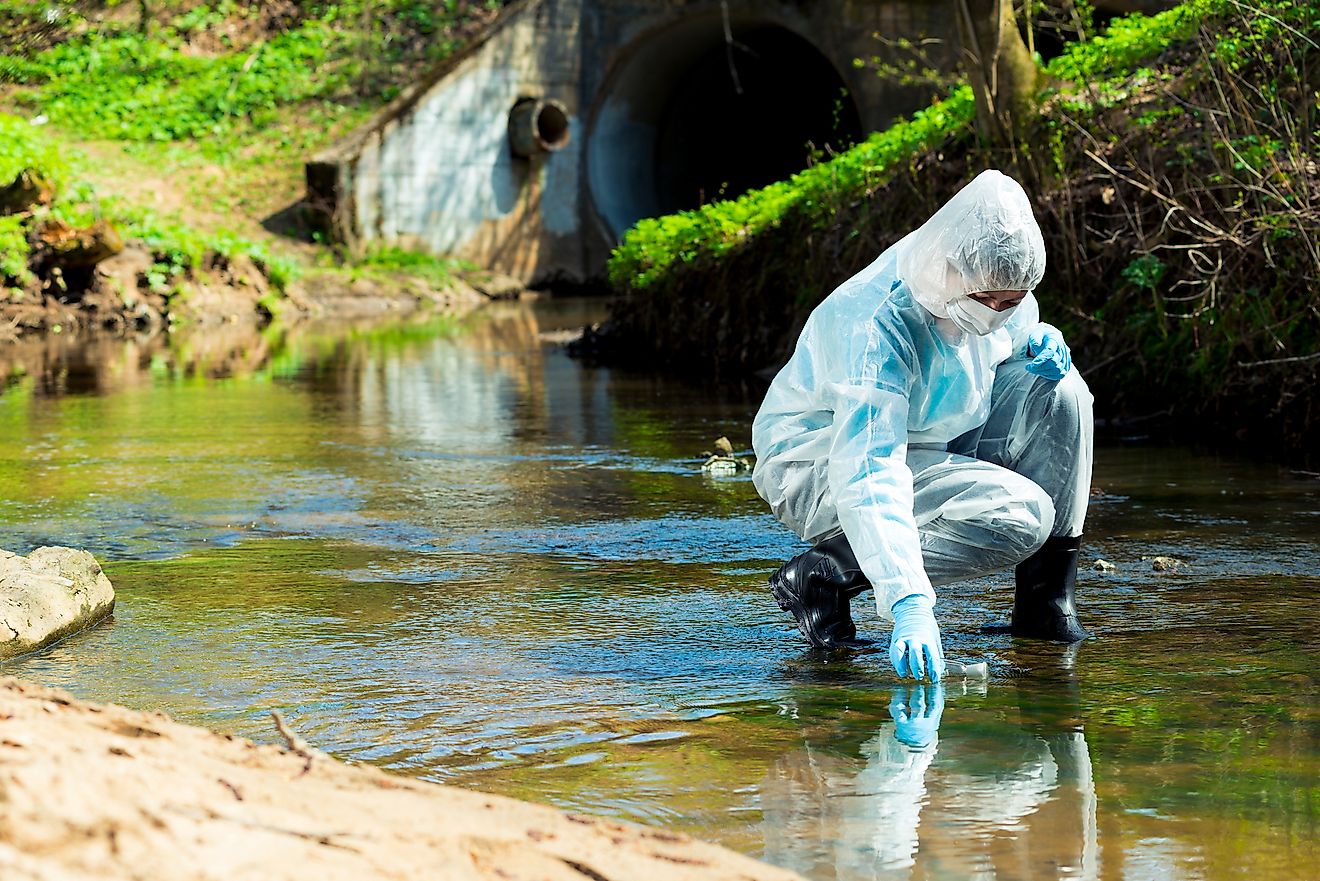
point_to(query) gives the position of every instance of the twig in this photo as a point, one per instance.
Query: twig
(1293, 360)
(1111, 359)
(728, 47)
(1283, 24)
(1168, 200)
(297, 745)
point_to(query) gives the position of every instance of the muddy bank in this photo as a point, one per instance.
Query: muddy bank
(120, 296)
(99, 791)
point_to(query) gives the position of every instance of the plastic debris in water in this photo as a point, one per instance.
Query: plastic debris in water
(720, 466)
(723, 462)
(979, 670)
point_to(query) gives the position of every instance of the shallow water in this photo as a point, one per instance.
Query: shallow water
(453, 552)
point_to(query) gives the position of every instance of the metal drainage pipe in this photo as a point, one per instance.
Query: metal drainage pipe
(537, 125)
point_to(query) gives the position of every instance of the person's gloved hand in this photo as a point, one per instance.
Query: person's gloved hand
(1049, 353)
(914, 647)
(916, 711)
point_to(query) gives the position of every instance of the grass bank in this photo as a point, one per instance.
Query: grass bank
(1174, 176)
(183, 127)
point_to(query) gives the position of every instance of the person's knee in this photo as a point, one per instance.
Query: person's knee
(1072, 399)
(1027, 518)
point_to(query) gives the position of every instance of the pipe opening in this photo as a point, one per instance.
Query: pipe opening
(537, 125)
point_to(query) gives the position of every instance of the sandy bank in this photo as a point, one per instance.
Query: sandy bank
(101, 792)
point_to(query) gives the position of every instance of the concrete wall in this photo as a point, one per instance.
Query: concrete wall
(435, 172)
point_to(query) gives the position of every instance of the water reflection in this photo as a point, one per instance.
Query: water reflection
(1009, 800)
(449, 550)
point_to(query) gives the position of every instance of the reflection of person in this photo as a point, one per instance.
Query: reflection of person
(983, 801)
(929, 428)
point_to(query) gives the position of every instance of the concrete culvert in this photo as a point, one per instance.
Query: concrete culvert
(537, 126)
(689, 117)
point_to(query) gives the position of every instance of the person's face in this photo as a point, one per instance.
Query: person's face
(999, 300)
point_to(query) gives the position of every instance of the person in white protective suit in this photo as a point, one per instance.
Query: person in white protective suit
(929, 428)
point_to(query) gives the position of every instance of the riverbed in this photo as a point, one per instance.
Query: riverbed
(449, 550)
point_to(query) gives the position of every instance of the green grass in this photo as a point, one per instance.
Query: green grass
(436, 270)
(177, 247)
(222, 103)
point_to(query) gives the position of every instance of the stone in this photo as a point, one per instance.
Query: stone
(1104, 566)
(1167, 564)
(125, 273)
(47, 595)
(496, 286)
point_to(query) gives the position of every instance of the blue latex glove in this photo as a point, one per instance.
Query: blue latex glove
(916, 711)
(1049, 353)
(914, 647)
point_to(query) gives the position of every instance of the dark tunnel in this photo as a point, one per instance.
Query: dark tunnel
(744, 118)
(690, 118)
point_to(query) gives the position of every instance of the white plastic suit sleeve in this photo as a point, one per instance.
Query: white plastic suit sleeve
(872, 485)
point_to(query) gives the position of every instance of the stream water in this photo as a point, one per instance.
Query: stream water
(449, 550)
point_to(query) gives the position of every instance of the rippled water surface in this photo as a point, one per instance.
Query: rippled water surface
(451, 551)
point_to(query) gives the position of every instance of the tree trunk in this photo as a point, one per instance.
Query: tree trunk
(1003, 74)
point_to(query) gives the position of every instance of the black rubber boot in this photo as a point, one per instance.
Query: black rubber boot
(1043, 606)
(817, 587)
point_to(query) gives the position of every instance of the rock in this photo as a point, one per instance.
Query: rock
(99, 791)
(125, 273)
(48, 595)
(723, 447)
(457, 294)
(1104, 566)
(496, 286)
(1167, 564)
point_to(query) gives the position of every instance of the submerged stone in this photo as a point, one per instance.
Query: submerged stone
(48, 595)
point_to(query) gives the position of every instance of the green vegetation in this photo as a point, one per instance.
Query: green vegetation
(198, 71)
(822, 191)
(207, 110)
(655, 244)
(1174, 176)
(436, 270)
(176, 248)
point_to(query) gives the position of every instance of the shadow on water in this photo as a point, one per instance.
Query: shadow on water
(451, 551)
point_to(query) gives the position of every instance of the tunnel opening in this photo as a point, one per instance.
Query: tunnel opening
(747, 115)
(690, 118)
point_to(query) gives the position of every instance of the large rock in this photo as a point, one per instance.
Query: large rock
(100, 792)
(47, 595)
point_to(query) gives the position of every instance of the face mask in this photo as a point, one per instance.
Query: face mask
(970, 316)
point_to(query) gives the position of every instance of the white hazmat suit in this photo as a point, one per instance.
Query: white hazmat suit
(934, 450)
